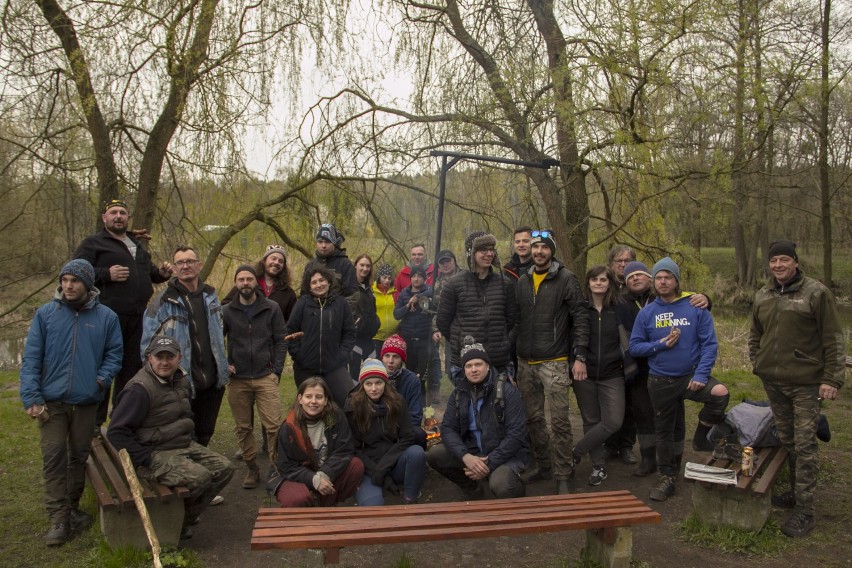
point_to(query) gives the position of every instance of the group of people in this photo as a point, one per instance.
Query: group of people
(367, 354)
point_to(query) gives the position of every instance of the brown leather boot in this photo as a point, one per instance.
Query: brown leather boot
(252, 477)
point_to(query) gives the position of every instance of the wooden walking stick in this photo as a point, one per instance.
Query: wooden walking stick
(136, 490)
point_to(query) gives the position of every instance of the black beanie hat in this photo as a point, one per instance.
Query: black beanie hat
(786, 248)
(473, 350)
(245, 268)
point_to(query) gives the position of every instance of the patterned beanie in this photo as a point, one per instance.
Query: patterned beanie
(473, 350)
(329, 232)
(81, 270)
(272, 249)
(385, 270)
(372, 369)
(395, 344)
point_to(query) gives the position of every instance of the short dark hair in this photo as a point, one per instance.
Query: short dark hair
(184, 248)
(524, 229)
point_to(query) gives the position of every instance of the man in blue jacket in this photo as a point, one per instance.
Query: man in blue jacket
(680, 344)
(72, 354)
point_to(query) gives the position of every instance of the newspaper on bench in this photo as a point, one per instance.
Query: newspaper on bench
(709, 473)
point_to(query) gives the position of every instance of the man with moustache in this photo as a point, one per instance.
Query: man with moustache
(255, 330)
(418, 258)
(124, 274)
(72, 353)
(153, 422)
(552, 339)
(189, 311)
(796, 346)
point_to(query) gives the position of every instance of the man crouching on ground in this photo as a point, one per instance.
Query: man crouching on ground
(484, 431)
(153, 421)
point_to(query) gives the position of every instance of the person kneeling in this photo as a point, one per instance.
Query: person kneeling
(152, 420)
(315, 461)
(383, 438)
(484, 431)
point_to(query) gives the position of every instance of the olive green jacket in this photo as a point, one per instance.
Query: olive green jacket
(796, 336)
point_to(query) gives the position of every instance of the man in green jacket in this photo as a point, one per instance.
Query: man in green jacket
(797, 349)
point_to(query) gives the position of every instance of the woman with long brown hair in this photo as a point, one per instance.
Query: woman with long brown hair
(315, 461)
(384, 440)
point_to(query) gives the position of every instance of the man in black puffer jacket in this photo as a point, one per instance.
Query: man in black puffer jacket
(552, 337)
(479, 303)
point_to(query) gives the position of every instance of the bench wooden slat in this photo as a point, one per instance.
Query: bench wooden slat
(770, 472)
(325, 514)
(102, 492)
(421, 533)
(108, 469)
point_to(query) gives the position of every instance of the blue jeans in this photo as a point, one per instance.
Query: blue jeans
(409, 472)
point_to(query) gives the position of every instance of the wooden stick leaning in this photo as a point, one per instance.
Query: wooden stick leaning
(136, 490)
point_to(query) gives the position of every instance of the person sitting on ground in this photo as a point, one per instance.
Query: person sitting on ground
(152, 420)
(484, 431)
(383, 439)
(405, 382)
(315, 459)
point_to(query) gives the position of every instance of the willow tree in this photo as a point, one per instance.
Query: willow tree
(158, 86)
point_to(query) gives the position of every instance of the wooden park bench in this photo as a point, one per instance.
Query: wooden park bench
(607, 518)
(747, 504)
(120, 522)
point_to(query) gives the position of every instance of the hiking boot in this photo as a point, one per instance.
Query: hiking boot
(628, 457)
(563, 487)
(649, 463)
(665, 488)
(785, 500)
(252, 477)
(59, 533)
(700, 443)
(598, 475)
(798, 525)
(80, 520)
(536, 473)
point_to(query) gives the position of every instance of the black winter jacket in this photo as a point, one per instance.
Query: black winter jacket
(553, 323)
(605, 359)
(329, 334)
(256, 345)
(380, 447)
(340, 263)
(131, 296)
(501, 442)
(482, 308)
(416, 324)
(284, 297)
(365, 315)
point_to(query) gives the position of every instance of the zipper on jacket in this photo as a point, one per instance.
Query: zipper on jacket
(73, 352)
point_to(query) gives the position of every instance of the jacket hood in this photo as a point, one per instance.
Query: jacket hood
(92, 299)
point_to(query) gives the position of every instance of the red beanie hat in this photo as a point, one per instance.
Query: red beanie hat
(394, 344)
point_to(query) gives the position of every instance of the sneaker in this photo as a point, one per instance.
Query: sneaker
(628, 457)
(59, 534)
(598, 475)
(665, 488)
(217, 500)
(80, 520)
(785, 500)
(798, 525)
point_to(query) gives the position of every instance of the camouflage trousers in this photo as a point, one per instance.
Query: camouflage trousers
(549, 382)
(204, 472)
(796, 410)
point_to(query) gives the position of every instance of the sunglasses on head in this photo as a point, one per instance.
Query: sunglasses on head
(542, 234)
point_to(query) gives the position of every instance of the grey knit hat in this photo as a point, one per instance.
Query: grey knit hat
(668, 265)
(81, 270)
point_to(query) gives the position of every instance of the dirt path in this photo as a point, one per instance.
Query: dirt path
(222, 538)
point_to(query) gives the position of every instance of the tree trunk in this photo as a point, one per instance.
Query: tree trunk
(824, 190)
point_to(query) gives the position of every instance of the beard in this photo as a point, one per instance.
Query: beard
(247, 293)
(117, 230)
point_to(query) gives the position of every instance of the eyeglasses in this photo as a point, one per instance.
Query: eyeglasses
(622, 260)
(489, 250)
(190, 262)
(543, 234)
